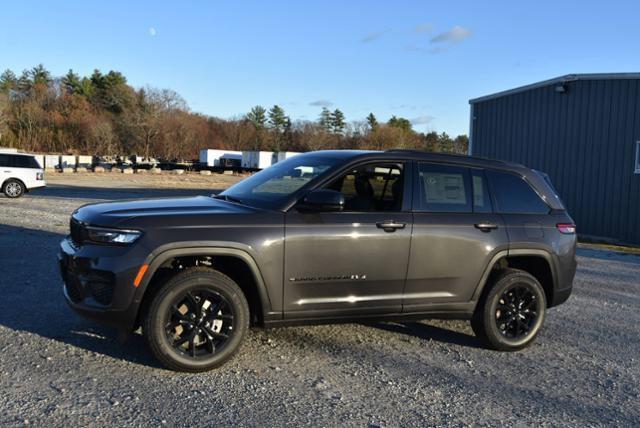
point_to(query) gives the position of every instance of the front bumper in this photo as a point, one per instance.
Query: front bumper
(98, 281)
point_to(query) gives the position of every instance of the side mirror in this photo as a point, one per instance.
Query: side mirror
(322, 200)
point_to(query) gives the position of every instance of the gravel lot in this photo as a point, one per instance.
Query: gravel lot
(60, 370)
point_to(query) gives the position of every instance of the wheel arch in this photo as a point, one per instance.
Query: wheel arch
(536, 262)
(255, 291)
(24, 185)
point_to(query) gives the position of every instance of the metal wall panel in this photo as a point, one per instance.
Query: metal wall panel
(583, 138)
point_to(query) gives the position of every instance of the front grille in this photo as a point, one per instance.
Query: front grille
(96, 284)
(73, 289)
(77, 231)
(101, 285)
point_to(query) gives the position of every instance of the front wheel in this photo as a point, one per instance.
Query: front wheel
(13, 189)
(196, 321)
(509, 316)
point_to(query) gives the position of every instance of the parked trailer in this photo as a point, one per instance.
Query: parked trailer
(84, 161)
(257, 160)
(67, 161)
(220, 158)
(52, 162)
(280, 156)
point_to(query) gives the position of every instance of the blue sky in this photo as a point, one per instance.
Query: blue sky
(422, 60)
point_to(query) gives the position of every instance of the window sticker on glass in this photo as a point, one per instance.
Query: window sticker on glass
(444, 188)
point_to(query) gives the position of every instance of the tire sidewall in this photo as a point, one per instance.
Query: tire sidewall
(202, 280)
(490, 325)
(7, 183)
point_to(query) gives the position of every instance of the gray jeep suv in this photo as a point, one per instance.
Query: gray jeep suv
(328, 236)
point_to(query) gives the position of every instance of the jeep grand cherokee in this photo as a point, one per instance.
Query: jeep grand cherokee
(328, 236)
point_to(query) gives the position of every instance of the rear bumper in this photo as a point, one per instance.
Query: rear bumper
(98, 282)
(561, 296)
(565, 281)
(36, 185)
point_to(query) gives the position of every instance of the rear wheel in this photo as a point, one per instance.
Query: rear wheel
(510, 314)
(196, 321)
(13, 188)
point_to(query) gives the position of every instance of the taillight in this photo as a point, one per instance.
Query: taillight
(39, 176)
(566, 228)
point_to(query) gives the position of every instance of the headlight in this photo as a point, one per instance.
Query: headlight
(112, 236)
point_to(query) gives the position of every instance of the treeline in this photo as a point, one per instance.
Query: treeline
(102, 114)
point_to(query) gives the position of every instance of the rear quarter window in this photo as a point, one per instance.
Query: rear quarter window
(23, 162)
(514, 195)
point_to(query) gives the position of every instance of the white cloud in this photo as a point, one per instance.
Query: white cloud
(321, 103)
(455, 35)
(422, 120)
(152, 31)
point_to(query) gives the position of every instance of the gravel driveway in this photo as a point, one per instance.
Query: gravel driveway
(60, 370)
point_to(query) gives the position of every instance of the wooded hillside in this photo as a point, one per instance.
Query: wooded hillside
(102, 114)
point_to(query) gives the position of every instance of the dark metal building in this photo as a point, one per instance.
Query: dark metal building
(584, 131)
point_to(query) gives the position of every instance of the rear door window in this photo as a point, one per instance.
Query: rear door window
(443, 188)
(4, 161)
(514, 195)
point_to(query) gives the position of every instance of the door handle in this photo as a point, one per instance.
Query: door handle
(390, 225)
(486, 226)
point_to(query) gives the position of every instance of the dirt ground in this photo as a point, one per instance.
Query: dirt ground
(57, 369)
(166, 180)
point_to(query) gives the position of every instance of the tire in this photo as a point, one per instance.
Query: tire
(13, 188)
(511, 312)
(210, 337)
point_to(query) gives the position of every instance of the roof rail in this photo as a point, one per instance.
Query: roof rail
(424, 152)
(453, 155)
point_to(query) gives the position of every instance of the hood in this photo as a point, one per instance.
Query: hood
(118, 212)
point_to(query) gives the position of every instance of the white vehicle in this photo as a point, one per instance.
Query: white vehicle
(19, 173)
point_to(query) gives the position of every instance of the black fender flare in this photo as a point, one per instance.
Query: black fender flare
(160, 256)
(519, 252)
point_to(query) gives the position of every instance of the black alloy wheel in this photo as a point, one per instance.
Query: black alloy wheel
(517, 312)
(196, 321)
(199, 323)
(510, 312)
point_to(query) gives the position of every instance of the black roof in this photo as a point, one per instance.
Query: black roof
(422, 155)
(449, 158)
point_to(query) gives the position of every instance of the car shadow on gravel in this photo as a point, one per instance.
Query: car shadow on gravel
(429, 332)
(33, 300)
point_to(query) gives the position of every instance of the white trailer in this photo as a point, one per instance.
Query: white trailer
(85, 161)
(280, 156)
(257, 160)
(67, 161)
(52, 162)
(214, 157)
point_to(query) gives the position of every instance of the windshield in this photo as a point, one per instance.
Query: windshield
(272, 186)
